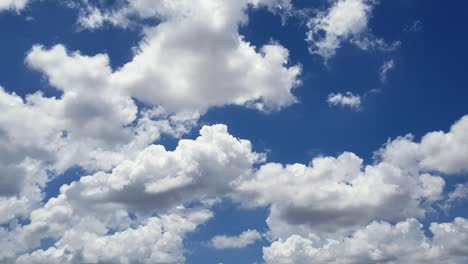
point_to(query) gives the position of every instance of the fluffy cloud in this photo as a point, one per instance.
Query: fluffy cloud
(379, 242)
(345, 100)
(16, 5)
(155, 182)
(335, 195)
(243, 240)
(42, 137)
(159, 179)
(345, 20)
(157, 240)
(193, 60)
(437, 151)
(196, 59)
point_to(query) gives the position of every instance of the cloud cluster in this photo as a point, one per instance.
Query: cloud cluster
(156, 240)
(96, 124)
(42, 137)
(195, 58)
(315, 210)
(335, 195)
(104, 210)
(379, 242)
(139, 200)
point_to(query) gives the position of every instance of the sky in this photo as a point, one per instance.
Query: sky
(233, 131)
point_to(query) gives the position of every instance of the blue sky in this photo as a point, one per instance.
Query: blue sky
(93, 90)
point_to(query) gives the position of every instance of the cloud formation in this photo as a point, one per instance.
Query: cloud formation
(196, 59)
(379, 242)
(347, 99)
(344, 21)
(155, 182)
(96, 124)
(437, 151)
(386, 67)
(135, 201)
(245, 239)
(16, 5)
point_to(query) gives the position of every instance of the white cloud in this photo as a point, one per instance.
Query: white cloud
(386, 67)
(157, 240)
(16, 5)
(43, 137)
(345, 100)
(437, 151)
(131, 206)
(245, 239)
(156, 182)
(196, 59)
(345, 20)
(379, 242)
(193, 60)
(336, 195)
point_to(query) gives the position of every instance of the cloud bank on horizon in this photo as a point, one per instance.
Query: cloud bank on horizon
(137, 199)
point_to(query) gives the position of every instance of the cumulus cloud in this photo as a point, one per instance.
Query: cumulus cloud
(195, 58)
(401, 183)
(16, 5)
(347, 99)
(156, 182)
(156, 240)
(139, 200)
(245, 239)
(437, 151)
(335, 195)
(379, 242)
(345, 20)
(42, 137)
(158, 179)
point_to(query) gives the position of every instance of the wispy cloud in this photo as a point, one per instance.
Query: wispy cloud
(386, 67)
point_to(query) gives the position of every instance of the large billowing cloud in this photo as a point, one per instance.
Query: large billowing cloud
(334, 195)
(155, 182)
(379, 242)
(195, 58)
(156, 240)
(43, 137)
